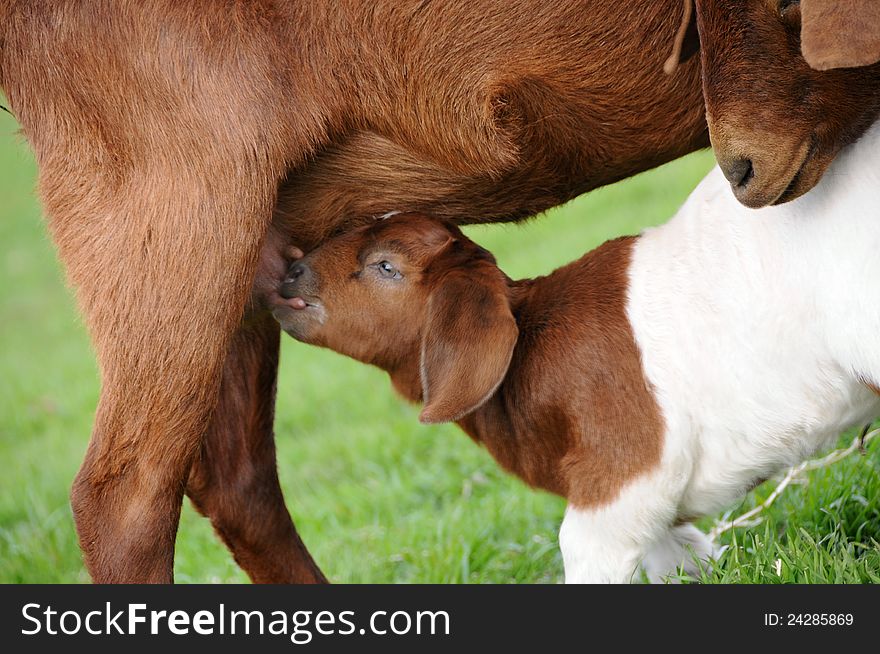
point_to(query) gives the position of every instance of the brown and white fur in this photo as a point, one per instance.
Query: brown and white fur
(652, 381)
(225, 127)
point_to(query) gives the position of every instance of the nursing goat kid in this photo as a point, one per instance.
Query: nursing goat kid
(653, 381)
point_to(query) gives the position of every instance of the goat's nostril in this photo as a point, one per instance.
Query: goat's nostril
(739, 172)
(297, 275)
(296, 271)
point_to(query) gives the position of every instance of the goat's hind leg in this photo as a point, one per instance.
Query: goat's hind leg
(162, 297)
(234, 480)
(158, 194)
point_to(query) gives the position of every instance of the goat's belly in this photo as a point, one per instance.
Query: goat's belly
(727, 464)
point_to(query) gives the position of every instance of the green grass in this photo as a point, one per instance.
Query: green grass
(376, 496)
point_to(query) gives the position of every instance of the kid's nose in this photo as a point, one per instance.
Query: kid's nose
(298, 275)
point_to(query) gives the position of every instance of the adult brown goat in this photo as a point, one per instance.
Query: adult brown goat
(181, 144)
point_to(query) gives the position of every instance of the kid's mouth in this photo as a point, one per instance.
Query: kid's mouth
(300, 303)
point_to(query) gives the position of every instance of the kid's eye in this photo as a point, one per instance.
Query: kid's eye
(386, 269)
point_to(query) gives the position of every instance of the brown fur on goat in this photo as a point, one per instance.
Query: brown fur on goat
(181, 145)
(539, 371)
(840, 33)
(778, 114)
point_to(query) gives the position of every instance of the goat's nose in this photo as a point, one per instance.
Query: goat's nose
(738, 172)
(296, 271)
(297, 274)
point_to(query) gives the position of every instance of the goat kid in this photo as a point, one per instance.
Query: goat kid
(655, 380)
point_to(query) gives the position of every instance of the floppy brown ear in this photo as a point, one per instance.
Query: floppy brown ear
(687, 39)
(840, 33)
(467, 345)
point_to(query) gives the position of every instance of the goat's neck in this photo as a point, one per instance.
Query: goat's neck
(500, 425)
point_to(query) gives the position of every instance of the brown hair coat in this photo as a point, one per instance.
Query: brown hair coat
(544, 372)
(182, 145)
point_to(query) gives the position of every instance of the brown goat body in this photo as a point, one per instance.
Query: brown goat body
(181, 145)
(544, 372)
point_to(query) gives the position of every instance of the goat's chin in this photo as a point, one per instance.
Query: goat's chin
(296, 322)
(807, 177)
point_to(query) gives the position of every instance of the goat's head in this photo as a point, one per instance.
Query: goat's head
(413, 296)
(775, 119)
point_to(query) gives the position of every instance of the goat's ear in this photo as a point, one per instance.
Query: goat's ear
(840, 33)
(687, 39)
(467, 344)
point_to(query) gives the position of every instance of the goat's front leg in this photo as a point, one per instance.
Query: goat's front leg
(606, 543)
(683, 547)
